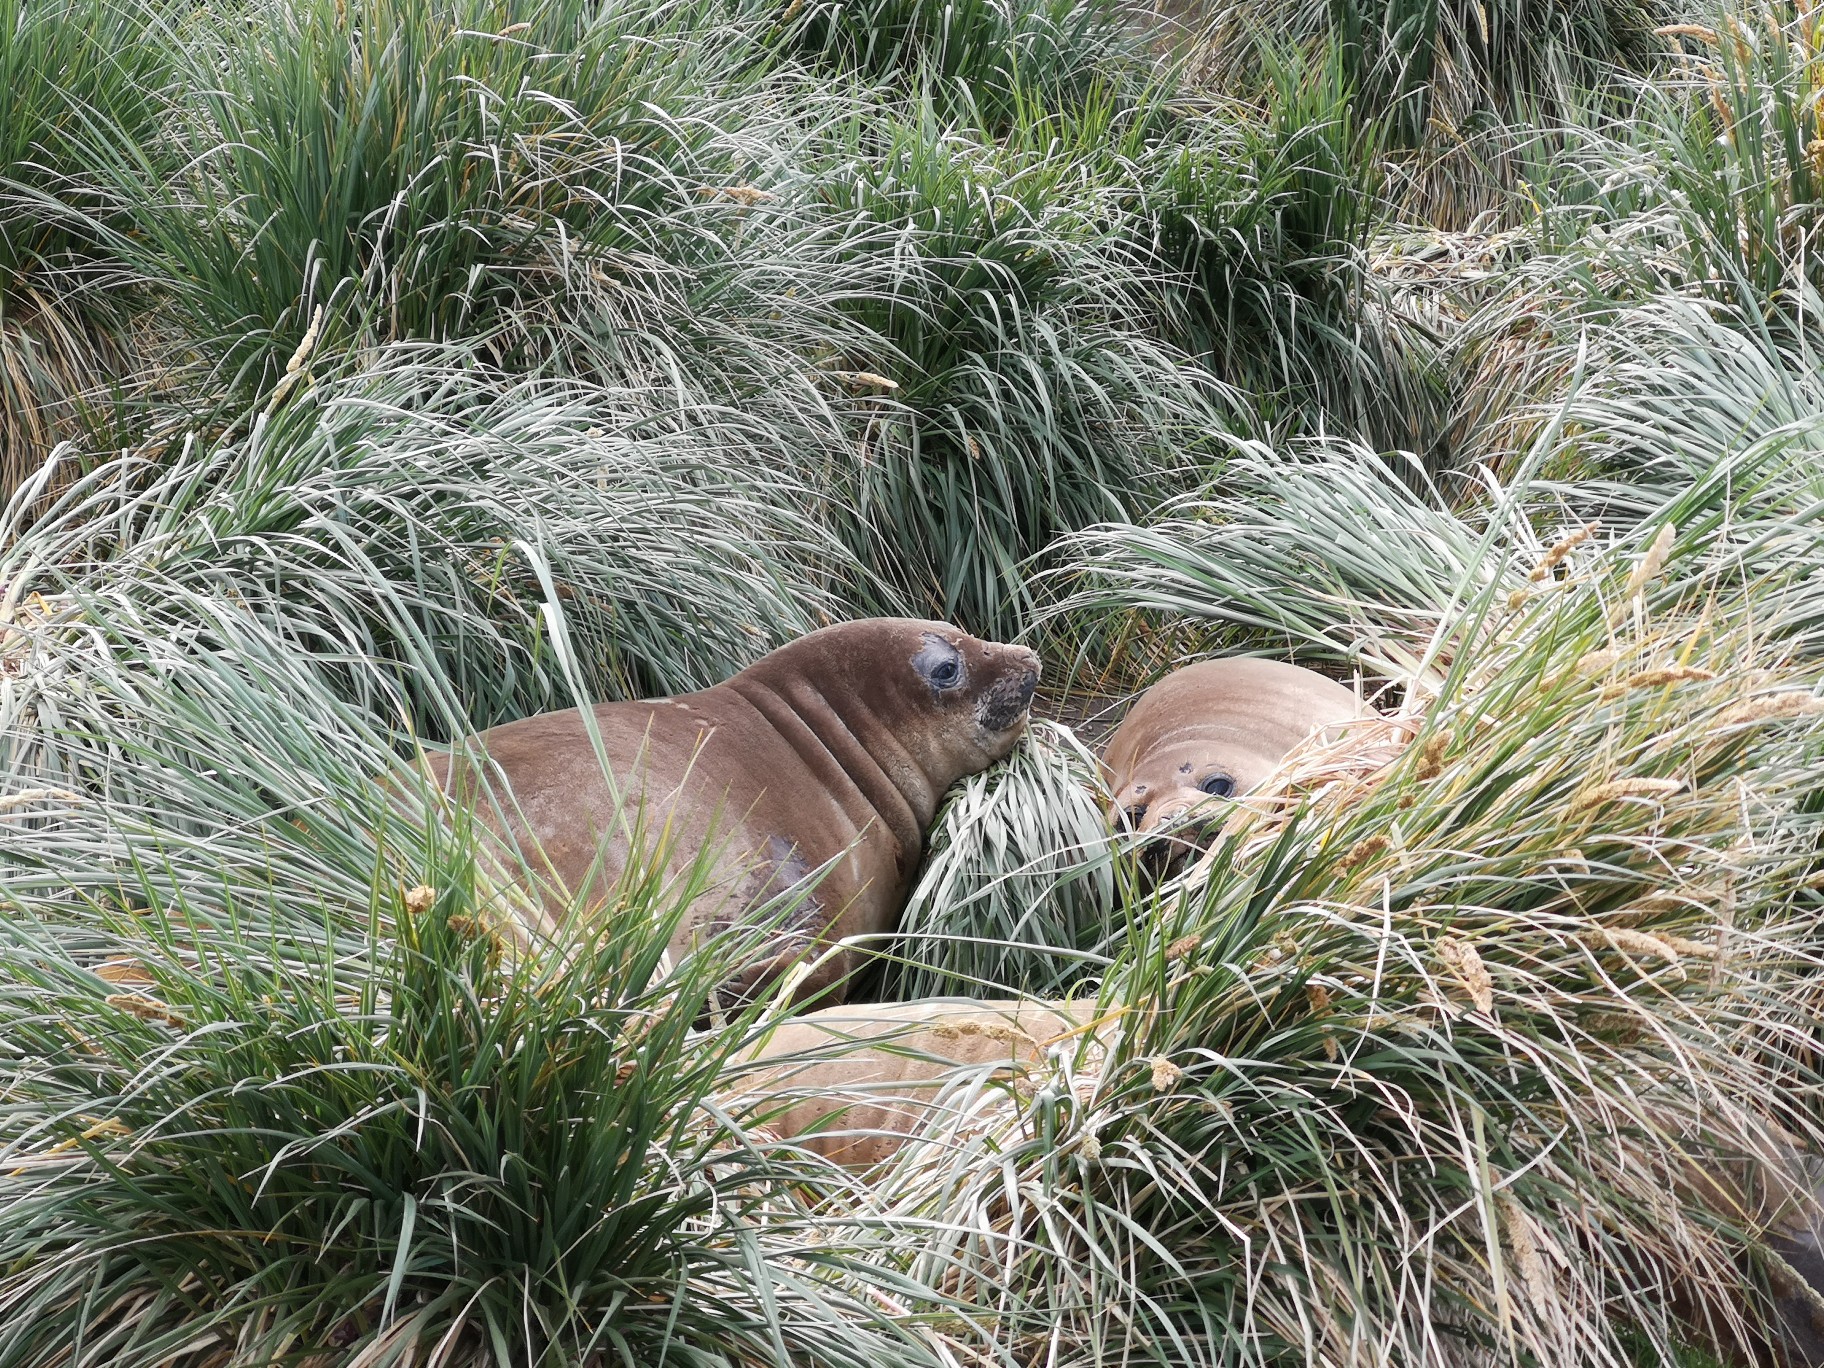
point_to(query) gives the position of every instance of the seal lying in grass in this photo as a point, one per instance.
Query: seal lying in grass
(853, 1082)
(826, 758)
(1213, 731)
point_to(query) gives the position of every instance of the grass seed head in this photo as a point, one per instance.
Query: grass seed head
(1617, 790)
(1363, 851)
(1703, 35)
(1181, 947)
(1634, 943)
(1770, 707)
(1690, 949)
(1517, 1231)
(1650, 565)
(146, 1009)
(1431, 757)
(1597, 662)
(1466, 964)
(1165, 1074)
(1560, 549)
(1658, 678)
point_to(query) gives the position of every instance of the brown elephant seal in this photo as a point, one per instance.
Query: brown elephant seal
(851, 1083)
(822, 761)
(1210, 732)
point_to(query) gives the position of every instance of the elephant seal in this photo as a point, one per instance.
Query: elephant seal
(822, 761)
(1212, 731)
(852, 1083)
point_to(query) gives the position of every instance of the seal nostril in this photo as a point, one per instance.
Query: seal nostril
(1029, 686)
(1132, 816)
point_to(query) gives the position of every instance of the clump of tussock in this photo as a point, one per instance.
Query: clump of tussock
(1260, 219)
(987, 61)
(1018, 892)
(1029, 393)
(408, 1144)
(406, 528)
(77, 78)
(581, 189)
(1465, 92)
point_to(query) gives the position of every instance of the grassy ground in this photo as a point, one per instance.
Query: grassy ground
(373, 371)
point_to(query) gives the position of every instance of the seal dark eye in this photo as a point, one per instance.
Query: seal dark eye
(1217, 785)
(939, 663)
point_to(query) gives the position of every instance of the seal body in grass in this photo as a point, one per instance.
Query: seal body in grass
(820, 765)
(852, 1083)
(1212, 731)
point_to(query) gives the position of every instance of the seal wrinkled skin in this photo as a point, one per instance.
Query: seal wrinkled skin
(823, 761)
(1211, 732)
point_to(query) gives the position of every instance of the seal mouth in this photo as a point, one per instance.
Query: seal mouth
(1170, 834)
(1166, 854)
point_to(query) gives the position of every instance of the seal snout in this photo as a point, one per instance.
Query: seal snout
(1029, 685)
(1027, 663)
(1173, 828)
(1006, 702)
(1136, 811)
(1167, 853)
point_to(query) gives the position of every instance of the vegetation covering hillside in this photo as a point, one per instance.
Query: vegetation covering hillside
(374, 371)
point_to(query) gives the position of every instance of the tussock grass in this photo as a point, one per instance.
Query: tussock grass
(402, 524)
(229, 1148)
(78, 78)
(986, 60)
(1467, 91)
(1705, 182)
(1432, 63)
(1019, 892)
(1297, 549)
(1260, 221)
(426, 172)
(1023, 393)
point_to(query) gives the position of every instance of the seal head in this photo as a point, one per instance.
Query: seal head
(1209, 733)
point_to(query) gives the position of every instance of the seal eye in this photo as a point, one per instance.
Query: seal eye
(1217, 785)
(939, 663)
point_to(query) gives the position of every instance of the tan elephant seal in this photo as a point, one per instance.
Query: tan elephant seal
(1210, 732)
(852, 1083)
(824, 759)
